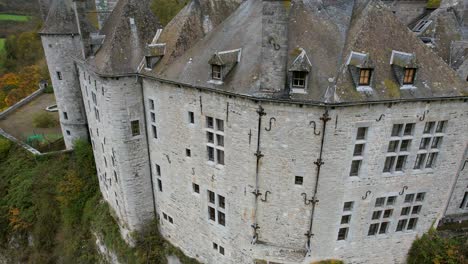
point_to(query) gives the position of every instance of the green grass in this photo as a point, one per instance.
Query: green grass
(2, 45)
(16, 18)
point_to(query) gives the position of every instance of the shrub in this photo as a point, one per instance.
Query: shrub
(44, 120)
(49, 89)
(5, 146)
(433, 3)
(432, 248)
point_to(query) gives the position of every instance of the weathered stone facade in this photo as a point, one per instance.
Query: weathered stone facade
(240, 170)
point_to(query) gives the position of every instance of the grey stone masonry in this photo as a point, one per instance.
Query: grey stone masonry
(60, 51)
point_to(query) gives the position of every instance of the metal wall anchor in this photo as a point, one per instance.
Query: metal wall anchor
(271, 121)
(266, 197)
(315, 128)
(307, 202)
(367, 194)
(380, 118)
(421, 118)
(403, 190)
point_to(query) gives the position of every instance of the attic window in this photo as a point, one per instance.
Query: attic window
(299, 79)
(365, 77)
(409, 76)
(421, 26)
(216, 72)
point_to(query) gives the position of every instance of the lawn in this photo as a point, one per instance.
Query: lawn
(17, 18)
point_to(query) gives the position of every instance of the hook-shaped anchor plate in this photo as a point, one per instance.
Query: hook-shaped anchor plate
(314, 125)
(271, 121)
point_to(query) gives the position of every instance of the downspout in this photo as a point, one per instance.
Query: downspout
(325, 118)
(148, 149)
(256, 192)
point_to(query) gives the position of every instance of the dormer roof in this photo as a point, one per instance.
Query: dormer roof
(403, 59)
(301, 62)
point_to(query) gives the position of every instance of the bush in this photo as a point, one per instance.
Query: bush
(433, 4)
(44, 120)
(49, 89)
(432, 248)
(5, 146)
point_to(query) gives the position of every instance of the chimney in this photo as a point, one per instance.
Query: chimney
(275, 19)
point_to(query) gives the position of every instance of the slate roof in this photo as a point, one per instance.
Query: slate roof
(129, 28)
(60, 19)
(328, 31)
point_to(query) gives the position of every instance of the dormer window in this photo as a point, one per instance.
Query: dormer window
(299, 79)
(361, 68)
(216, 71)
(222, 63)
(299, 72)
(404, 68)
(408, 79)
(154, 53)
(365, 77)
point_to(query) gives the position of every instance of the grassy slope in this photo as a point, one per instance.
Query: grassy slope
(55, 202)
(11, 17)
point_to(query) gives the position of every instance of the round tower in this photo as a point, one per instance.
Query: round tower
(62, 44)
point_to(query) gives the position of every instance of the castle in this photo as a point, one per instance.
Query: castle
(265, 131)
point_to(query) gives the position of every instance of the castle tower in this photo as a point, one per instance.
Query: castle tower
(62, 44)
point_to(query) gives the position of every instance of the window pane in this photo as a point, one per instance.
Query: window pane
(431, 160)
(383, 228)
(391, 200)
(348, 206)
(373, 229)
(409, 129)
(401, 225)
(416, 209)
(420, 197)
(380, 201)
(221, 218)
(361, 133)
(299, 79)
(389, 161)
(221, 201)
(364, 76)
(409, 76)
(409, 198)
(345, 219)
(209, 122)
(220, 140)
(396, 130)
(216, 72)
(400, 163)
(419, 161)
(212, 213)
(219, 125)
(429, 127)
(424, 143)
(412, 223)
(355, 165)
(220, 156)
(405, 210)
(405, 145)
(210, 153)
(298, 180)
(358, 149)
(135, 127)
(440, 126)
(436, 142)
(210, 137)
(376, 215)
(388, 213)
(342, 234)
(211, 197)
(393, 146)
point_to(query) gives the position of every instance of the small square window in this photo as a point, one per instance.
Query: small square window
(151, 104)
(65, 115)
(196, 188)
(412, 223)
(391, 200)
(409, 198)
(160, 185)
(220, 156)
(216, 72)
(210, 137)
(188, 152)
(436, 142)
(396, 130)
(419, 161)
(440, 126)
(221, 201)
(361, 133)
(220, 140)
(431, 159)
(389, 161)
(355, 165)
(59, 75)
(393, 146)
(135, 125)
(405, 210)
(171, 220)
(405, 145)
(409, 129)
(209, 122)
(373, 229)
(165, 216)
(210, 153)
(219, 125)
(68, 132)
(215, 246)
(429, 127)
(358, 149)
(299, 79)
(191, 118)
(342, 233)
(383, 228)
(401, 225)
(221, 250)
(298, 180)
(388, 213)
(401, 161)
(365, 77)
(158, 170)
(379, 201)
(221, 218)
(211, 197)
(424, 143)
(345, 219)
(153, 117)
(154, 131)
(348, 206)
(211, 213)
(410, 73)
(420, 197)
(416, 209)
(376, 215)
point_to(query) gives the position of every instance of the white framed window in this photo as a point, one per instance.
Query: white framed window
(215, 140)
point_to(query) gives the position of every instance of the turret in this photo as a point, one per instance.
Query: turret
(62, 45)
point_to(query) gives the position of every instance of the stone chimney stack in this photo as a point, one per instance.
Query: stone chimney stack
(275, 19)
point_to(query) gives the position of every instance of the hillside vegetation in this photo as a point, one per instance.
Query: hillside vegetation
(51, 209)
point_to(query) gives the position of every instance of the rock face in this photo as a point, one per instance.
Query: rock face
(273, 131)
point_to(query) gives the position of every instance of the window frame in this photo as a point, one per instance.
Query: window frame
(409, 76)
(216, 72)
(299, 79)
(365, 79)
